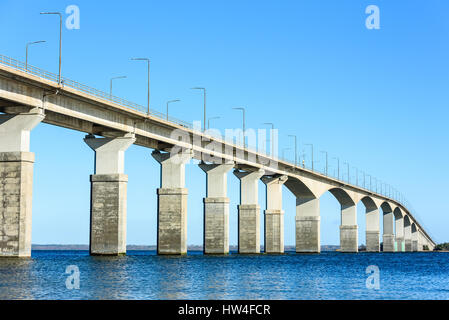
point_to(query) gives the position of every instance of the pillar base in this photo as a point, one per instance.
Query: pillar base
(308, 234)
(108, 214)
(414, 245)
(349, 238)
(216, 225)
(274, 231)
(249, 228)
(16, 187)
(408, 245)
(400, 245)
(172, 221)
(372, 241)
(388, 243)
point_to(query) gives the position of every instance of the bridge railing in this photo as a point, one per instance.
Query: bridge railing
(66, 82)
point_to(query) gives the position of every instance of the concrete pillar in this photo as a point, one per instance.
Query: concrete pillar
(307, 223)
(399, 233)
(172, 203)
(274, 215)
(388, 236)
(216, 209)
(349, 229)
(16, 182)
(108, 195)
(249, 211)
(372, 230)
(407, 235)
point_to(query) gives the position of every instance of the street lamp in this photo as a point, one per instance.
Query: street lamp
(296, 149)
(356, 176)
(148, 92)
(348, 171)
(26, 53)
(204, 109)
(208, 121)
(170, 101)
(243, 114)
(338, 167)
(327, 166)
(311, 145)
(272, 140)
(110, 84)
(60, 41)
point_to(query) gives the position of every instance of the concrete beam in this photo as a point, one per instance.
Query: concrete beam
(249, 211)
(172, 202)
(16, 182)
(274, 215)
(108, 195)
(216, 209)
(15, 130)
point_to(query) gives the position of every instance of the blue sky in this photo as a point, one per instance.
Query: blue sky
(377, 99)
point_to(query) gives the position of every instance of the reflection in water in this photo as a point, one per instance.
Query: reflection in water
(144, 275)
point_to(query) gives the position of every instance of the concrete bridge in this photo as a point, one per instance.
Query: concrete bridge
(30, 96)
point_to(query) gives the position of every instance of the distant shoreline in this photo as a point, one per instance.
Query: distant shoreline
(84, 247)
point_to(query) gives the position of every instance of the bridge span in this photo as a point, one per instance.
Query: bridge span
(29, 95)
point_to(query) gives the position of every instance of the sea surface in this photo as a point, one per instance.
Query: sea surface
(145, 275)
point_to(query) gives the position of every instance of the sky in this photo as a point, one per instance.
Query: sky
(376, 98)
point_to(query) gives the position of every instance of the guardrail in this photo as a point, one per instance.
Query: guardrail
(66, 82)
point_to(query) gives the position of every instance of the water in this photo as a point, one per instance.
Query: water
(144, 275)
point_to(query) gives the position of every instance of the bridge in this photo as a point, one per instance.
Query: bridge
(29, 96)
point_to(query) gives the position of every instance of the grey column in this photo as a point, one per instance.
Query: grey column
(172, 203)
(388, 236)
(249, 211)
(349, 229)
(274, 215)
(372, 230)
(307, 223)
(399, 233)
(108, 195)
(407, 235)
(16, 182)
(216, 209)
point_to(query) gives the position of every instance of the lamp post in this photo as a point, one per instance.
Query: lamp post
(110, 84)
(208, 121)
(272, 140)
(311, 145)
(148, 91)
(338, 167)
(349, 177)
(356, 176)
(170, 101)
(327, 166)
(26, 53)
(243, 114)
(60, 41)
(296, 148)
(204, 108)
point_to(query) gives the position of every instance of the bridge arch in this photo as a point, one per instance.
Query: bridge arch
(407, 233)
(372, 222)
(348, 225)
(399, 229)
(307, 219)
(388, 226)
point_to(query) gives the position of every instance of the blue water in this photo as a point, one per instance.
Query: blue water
(144, 275)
